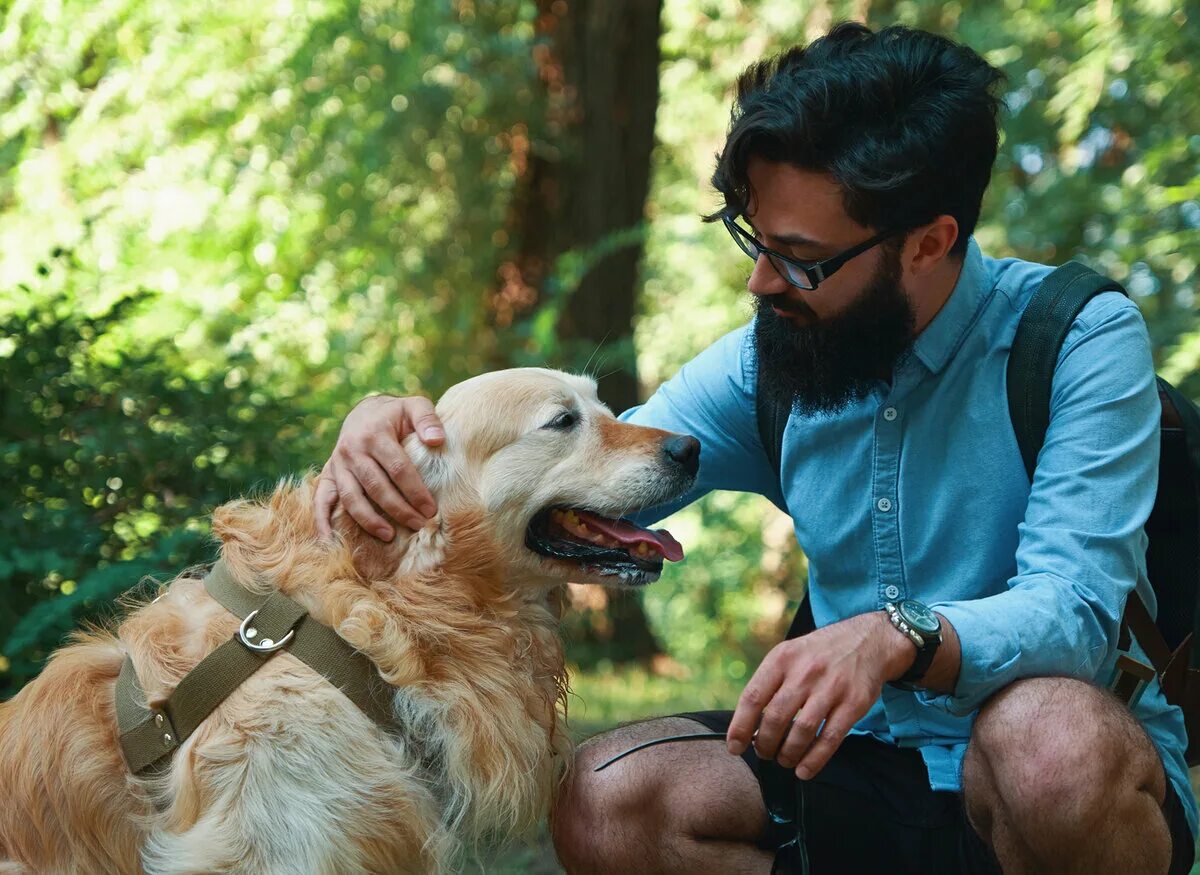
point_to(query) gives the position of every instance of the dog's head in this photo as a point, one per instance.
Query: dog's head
(554, 475)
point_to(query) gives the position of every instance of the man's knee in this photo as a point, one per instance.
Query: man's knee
(632, 811)
(591, 806)
(1056, 749)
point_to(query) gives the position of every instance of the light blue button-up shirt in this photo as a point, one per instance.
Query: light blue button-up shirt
(919, 491)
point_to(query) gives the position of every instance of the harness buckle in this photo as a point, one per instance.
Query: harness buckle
(263, 645)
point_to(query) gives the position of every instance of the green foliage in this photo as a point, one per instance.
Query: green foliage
(112, 458)
(320, 186)
(322, 191)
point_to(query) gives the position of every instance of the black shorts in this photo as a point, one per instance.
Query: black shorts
(871, 809)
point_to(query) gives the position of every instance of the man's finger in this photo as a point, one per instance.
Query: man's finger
(777, 720)
(324, 501)
(403, 473)
(759, 691)
(833, 733)
(378, 487)
(355, 503)
(802, 732)
(425, 422)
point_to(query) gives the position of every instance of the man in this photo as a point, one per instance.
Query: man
(978, 738)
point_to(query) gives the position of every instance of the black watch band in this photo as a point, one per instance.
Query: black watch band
(923, 628)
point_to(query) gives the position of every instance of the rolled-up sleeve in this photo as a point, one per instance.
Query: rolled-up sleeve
(1081, 545)
(712, 399)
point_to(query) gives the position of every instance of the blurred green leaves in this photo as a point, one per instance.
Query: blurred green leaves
(320, 194)
(112, 457)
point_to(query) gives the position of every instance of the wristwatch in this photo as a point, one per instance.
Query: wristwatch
(924, 629)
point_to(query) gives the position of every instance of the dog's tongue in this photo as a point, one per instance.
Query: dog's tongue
(630, 535)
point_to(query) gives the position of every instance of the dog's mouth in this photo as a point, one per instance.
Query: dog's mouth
(601, 544)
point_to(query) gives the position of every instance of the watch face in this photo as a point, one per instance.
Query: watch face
(919, 617)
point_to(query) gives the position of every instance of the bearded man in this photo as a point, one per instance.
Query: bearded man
(852, 175)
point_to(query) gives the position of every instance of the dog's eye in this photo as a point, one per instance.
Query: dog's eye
(563, 421)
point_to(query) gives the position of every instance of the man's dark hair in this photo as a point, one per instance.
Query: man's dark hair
(905, 121)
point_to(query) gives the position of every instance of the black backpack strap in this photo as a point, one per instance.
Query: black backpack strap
(772, 420)
(772, 417)
(1040, 333)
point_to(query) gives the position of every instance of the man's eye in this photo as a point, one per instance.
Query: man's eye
(563, 421)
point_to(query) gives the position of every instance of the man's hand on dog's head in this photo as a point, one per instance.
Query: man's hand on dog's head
(369, 464)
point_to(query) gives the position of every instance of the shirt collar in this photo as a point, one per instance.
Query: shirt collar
(941, 338)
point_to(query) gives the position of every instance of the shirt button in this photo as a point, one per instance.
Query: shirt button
(892, 592)
(889, 413)
(884, 504)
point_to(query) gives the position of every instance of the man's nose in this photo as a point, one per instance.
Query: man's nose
(765, 279)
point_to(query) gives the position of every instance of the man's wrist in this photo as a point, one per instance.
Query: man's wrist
(902, 652)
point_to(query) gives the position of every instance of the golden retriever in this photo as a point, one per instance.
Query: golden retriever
(287, 775)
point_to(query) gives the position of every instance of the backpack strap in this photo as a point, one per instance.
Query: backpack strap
(1040, 334)
(1056, 303)
(772, 417)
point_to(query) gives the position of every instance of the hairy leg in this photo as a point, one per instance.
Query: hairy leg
(685, 807)
(1059, 777)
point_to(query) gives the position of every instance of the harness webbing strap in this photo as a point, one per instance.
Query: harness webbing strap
(318, 647)
(148, 735)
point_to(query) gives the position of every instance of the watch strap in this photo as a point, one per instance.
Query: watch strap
(926, 645)
(923, 661)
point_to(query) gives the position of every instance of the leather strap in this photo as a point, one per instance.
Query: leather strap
(150, 735)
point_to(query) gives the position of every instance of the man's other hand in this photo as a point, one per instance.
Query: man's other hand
(831, 676)
(369, 464)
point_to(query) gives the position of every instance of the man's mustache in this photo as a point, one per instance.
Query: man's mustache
(784, 305)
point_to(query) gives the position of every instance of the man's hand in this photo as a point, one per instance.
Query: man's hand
(831, 676)
(369, 463)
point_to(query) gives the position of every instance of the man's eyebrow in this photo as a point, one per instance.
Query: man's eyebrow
(793, 239)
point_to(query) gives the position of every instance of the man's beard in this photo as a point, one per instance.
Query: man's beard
(823, 367)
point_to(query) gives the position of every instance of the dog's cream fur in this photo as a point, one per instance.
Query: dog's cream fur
(287, 775)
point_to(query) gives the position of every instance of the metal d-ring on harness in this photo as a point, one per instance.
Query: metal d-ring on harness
(783, 798)
(149, 735)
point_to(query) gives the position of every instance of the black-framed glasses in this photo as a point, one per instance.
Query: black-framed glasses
(802, 274)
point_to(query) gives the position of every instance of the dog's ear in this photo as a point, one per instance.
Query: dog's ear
(372, 558)
(379, 560)
(435, 465)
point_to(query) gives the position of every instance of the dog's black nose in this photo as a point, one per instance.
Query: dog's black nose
(684, 450)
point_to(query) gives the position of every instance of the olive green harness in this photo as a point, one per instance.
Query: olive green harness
(149, 735)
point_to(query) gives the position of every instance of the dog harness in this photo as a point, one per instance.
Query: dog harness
(150, 734)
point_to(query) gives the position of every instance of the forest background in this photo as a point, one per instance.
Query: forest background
(222, 225)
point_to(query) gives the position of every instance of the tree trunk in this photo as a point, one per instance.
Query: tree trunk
(586, 174)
